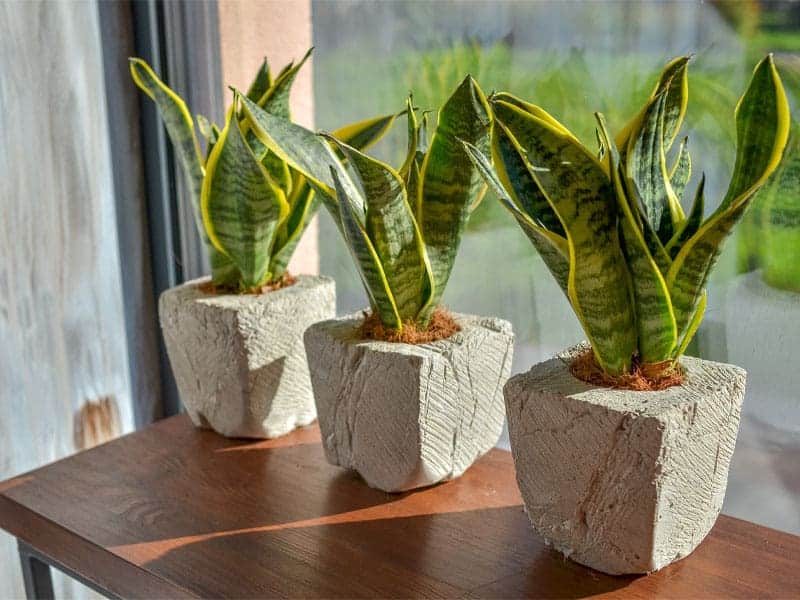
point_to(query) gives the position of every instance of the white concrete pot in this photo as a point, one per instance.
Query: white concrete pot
(623, 481)
(406, 416)
(239, 360)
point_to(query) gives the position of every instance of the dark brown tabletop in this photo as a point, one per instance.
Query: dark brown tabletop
(172, 511)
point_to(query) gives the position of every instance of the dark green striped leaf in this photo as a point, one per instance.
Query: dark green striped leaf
(675, 84)
(179, 125)
(303, 205)
(180, 128)
(209, 131)
(762, 127)
(553, 249)
(655, 320)
(449, 182)
(241, 206)
(515, 174)
(682, 170)
(692, 223)
(645, 169)
(364, 134)
(302, 149)
(261, 83)
(369, 265)
(275, 99)
(412, 133)
(393, 232)
(581, 194)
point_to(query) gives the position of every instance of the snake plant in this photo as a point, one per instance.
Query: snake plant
(403, 227)
(610, 226)
(250, 206)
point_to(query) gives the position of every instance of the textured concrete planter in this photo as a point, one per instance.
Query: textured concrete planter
(239, 360)
(622, 481)
(406, 416)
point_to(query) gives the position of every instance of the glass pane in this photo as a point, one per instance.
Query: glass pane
(574, 58)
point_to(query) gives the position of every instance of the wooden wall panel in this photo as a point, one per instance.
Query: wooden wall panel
(62, 333)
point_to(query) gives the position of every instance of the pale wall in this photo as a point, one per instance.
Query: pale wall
(281, 31)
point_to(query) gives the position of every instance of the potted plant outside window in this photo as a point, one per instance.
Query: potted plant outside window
(408, 395)
(623, 480)
(234, 340)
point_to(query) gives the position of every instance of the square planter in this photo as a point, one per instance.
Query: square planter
(239, 360)
(406, 416)
(623, 481)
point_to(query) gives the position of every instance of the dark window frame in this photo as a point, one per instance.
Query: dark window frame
(159, 244)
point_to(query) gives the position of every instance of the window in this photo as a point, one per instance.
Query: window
(575, 58)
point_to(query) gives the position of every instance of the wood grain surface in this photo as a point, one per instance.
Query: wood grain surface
(172, 510)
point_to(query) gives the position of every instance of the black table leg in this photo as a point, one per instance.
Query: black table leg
(36, 574)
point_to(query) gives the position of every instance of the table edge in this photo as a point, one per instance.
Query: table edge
(122, 578)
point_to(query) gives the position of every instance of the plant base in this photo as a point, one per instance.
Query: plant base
(623, 481)
(406, 416)
(239, 360)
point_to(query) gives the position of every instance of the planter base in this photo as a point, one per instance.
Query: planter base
(239, 360)
(623, 481)
(406, 416)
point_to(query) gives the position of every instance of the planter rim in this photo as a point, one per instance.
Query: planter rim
(191, 290)
(549, 376)
(343, 328)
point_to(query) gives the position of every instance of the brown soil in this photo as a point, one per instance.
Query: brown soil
(286, 280)
(642, 378)
(442, 326)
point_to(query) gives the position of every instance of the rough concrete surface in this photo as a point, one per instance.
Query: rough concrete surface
(405, 416)
(623, 481)
(239, 360)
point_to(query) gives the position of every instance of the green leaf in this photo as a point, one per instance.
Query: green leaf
(304, 150)
(210, 132)
(414, 175)
(276, 99)
(224, 273)
(261, 83)
(682, 170)
(515, 174)
(553, 249)
(366, 133)
(241, 206)
(207, 129)
(675, 84)
(655, 319)
(692, 223)
(369, 265)
(694, 323)
(179, 125)
(278, 170)
(303, 206)
(413, 140)
(531, 109)
(581, 194)
(762, 128)
(449, 182)
(180, 128)
(393, 232)
(645, 168)
(304, 201)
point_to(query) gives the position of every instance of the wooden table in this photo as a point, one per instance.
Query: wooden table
(172, 511)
